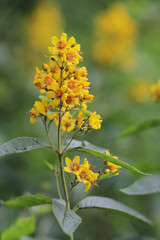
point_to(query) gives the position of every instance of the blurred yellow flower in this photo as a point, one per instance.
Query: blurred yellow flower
(45, 20)
(140, 91)
(155, 92)
(115, 34)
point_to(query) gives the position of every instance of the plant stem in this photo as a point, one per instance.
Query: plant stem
(47, 131)
(64, 181)
(71, 237)
(58, 189)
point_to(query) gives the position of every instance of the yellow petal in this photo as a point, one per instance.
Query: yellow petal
(64, 37)
(71, 41)
(76, 159)
(66, 169)
(33, 120)
(54, 40)
(88, 185)
(68, 161)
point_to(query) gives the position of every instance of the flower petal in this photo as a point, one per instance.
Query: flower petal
(64, 37)
(54, 40)
(68, 161)
(76, 159)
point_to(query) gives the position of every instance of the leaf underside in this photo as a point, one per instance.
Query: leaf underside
(145, 185)
(115, 206)
(67, 219)
(21, 144)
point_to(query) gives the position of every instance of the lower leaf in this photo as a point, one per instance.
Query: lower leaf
(115, 206)
(20, 228)
(67, 219)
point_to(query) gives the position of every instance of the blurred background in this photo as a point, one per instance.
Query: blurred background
(120, 45)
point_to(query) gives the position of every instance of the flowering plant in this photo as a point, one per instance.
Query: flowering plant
(64, 89)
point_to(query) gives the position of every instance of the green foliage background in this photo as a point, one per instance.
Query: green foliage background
(26, 173)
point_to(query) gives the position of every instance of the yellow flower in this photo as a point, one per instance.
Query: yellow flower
(65, 86)
(72, 166)
(86, 176)
(66, 51)
(155, 92)
(112, 167)
(94, 121)
(34, 113)
(115, 35)
(80, 118)
(67, 122)
(82, 172)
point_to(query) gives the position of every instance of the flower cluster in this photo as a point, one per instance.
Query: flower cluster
(155, 92)
(65, 87)
(112, 167)
(83, 172)
(115, 34)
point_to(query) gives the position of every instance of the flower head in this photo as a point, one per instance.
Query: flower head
(72, 166)
(112, 167)
(115, 34)
(94, 121)
(83, 172)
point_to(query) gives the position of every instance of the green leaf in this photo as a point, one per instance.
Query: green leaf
(140, 127)
(27, 201)
(108, 158)
(115, 206)
(49, 165)
(20, 228)
(108, 175)
(145, 185)
(41, 238)
(68, 220)
(21, 144)
(135, 238)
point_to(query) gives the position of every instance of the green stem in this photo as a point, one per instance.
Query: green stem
(61, 162)
(47, 131)
(59, 193)
(71, 237)
(64, 181)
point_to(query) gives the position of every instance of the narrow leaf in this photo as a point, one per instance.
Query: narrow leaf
(140, 127)
(115, 206)
(21, 144)
(27, 201)
(20, 228)
(145, 185)
(108, 175)
(41, 238)
(108, 158)
(49, 165)
(68, 220)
